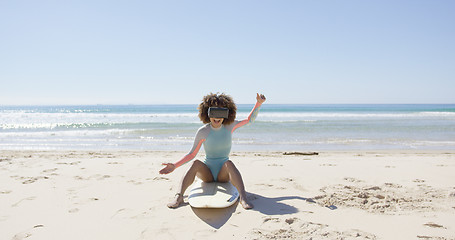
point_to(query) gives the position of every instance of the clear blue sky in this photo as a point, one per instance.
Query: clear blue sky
(171, 52)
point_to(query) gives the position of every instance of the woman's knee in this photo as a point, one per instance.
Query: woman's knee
(197, 162)
(196, 165)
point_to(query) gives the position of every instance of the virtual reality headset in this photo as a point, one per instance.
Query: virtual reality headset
(217, 112)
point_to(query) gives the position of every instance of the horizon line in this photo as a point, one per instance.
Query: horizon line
(164, 104)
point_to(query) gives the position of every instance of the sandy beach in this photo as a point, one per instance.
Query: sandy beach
(332, 195)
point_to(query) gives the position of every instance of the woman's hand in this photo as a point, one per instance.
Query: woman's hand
(170, 167)
(260, 98)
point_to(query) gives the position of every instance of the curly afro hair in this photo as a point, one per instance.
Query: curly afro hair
(217, 100)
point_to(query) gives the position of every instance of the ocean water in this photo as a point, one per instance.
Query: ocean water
(277, 128)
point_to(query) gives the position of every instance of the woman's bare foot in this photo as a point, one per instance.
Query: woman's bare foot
(178, 200)
(246, 204)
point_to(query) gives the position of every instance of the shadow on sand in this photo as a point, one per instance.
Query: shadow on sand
(274, 206)
(217, 217)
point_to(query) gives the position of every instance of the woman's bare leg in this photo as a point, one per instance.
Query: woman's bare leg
(197, 168)
(230, 173)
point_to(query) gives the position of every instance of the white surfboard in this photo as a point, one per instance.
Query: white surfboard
(212, 195)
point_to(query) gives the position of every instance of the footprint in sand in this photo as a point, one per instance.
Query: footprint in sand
(135, 182)
(433, 225)
(34, 179)
(294, 183)
(69, 163)
(84, 201)
(27, 233)
(273, 219)
(80, 178)
(393, 185)
(100, 177)
(22, 235)
(160, 178)
(50, 170)
(418, 180)
(73, 210)
(350, 179)
(28, 180)
(287, 179)
(328, 165)
(275, 165)
(25, 199)
(114, 163)
(5, 159)
(163, 233)
(291, 220)
(118, 212)
(296, 229)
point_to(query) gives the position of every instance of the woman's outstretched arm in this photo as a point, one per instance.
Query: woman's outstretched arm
(198, 140)
(260, 98)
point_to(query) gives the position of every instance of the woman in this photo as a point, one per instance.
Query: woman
(218, 112)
